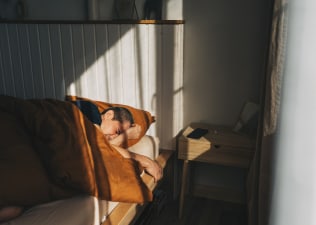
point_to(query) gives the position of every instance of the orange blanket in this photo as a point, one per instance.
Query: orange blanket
(49, 150)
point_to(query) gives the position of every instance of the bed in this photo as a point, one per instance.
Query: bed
(83, 196)
(86, 209)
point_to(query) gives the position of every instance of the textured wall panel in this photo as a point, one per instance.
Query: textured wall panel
(139, 65)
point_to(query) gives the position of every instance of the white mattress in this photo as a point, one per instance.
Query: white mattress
(80, 210)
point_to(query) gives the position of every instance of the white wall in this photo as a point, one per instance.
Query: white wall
(45, 10)
(224, 52)
(294, 181)
(225, 45)
(66, 9)
(81, 9)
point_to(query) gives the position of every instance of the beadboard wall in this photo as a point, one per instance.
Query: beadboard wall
(136, 64)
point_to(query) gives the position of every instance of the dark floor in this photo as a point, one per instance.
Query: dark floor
(164, 210)
(198, 211)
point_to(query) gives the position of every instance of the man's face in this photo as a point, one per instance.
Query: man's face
(112, 128)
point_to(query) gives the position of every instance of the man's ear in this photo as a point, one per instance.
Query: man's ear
(109, 115)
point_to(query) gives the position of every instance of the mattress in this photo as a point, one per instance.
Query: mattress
(80, 210)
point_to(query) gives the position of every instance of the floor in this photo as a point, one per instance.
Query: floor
(198, 211)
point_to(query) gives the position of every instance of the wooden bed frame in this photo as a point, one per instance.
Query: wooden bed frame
(127, 213)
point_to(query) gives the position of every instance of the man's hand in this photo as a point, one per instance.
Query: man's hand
(134, 131)
(152, 168)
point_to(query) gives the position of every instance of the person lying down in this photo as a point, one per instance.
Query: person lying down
(115, 123)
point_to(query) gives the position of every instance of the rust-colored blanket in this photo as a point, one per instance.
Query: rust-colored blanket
(49, 150)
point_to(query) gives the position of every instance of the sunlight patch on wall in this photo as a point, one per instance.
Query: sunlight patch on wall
(178, 82)
(135, 64)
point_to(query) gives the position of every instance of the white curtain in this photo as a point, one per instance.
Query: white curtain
(260, 173)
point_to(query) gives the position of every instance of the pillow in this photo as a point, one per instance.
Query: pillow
(147, 146)
(141, 117)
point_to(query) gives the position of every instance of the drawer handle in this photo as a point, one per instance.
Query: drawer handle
(217, 146)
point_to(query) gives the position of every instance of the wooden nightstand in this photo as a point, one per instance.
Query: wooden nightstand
(219, 146)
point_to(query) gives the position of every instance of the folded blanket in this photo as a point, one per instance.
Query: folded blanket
(49, 150)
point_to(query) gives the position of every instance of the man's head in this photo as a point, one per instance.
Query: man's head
(115, 120)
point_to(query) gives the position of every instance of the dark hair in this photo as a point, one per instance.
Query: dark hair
(121, 114)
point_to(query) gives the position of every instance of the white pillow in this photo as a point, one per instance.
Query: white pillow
(147, 145)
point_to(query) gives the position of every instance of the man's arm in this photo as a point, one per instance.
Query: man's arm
(131, 133)
(150, 166)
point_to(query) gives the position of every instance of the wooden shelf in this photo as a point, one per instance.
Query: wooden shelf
(168, 22)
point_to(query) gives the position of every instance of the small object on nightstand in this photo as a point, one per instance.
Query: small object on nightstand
(197, 133)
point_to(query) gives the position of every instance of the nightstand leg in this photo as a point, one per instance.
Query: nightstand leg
(183, 185)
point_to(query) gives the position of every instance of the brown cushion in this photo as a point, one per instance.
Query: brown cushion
(141, 117)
